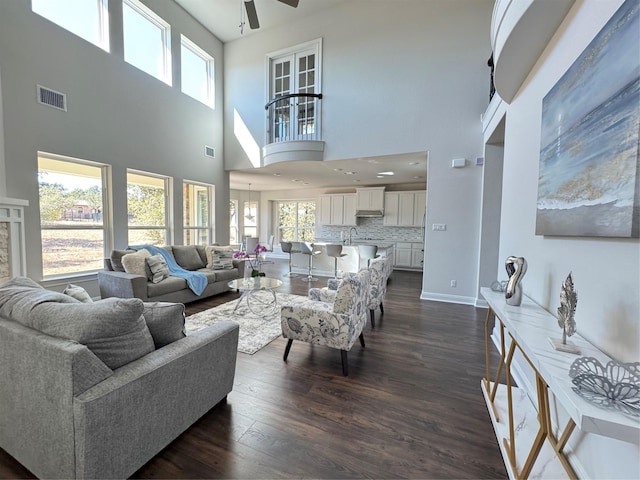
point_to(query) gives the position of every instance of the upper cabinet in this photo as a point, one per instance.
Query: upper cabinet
(371, 198)
(520, 30)
(404, 209)
(337, 209)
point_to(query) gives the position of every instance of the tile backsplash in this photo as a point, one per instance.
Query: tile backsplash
(371, 228)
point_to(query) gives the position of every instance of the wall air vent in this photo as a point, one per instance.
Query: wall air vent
(51, 98)
(209, 151)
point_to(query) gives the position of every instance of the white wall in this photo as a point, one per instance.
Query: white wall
(116, 114)
(605, 270)
(398, 77)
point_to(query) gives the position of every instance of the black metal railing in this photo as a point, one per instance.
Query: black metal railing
(294, 116)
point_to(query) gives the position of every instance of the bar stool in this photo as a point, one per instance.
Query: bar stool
(287, 247)
(306, 248)
(368, 251)
(335, 251)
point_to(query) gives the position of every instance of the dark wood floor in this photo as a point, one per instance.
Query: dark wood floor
(411, 406)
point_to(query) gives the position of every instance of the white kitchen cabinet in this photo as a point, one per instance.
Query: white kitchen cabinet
(370, 198)
(349, 209)
(324, 212)
(337, 209)
(404, 209)
(403, 255)
(391, 209)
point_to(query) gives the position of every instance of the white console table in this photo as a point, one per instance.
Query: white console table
(530, 444)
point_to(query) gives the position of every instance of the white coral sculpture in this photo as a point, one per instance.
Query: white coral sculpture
(567, 309)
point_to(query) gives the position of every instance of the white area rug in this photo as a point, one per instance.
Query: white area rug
(256, 331)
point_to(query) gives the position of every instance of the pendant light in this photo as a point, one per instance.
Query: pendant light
(248, 215)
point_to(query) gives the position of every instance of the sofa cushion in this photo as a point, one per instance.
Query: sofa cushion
(21, 294)
(135, 263)
(77, 292)
(116, 259)
(165, 321)
(113, 329)
(187, 257)
(168, 285)
(219, 275)
(159, 270)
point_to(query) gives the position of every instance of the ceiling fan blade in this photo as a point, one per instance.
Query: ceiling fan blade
(252, 15)
(291, 3)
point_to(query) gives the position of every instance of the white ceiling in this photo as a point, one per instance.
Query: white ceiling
(222, 17)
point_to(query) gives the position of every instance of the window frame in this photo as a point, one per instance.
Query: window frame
(107, 218)
(296, 227)
(103, 41)
(210, 227)
(165, 28)
(168, 212)
(210, 99)
(234, 225)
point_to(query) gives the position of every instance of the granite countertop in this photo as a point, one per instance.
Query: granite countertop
(354, 243)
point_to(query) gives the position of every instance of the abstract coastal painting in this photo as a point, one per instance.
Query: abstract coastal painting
(589, 178)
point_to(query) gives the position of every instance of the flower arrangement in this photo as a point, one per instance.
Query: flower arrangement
(260, 253)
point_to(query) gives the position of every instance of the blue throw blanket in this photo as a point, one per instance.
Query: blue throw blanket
(197, 281)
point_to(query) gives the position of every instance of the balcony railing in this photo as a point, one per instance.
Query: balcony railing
(294, 116)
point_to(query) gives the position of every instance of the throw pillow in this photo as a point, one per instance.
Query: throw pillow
(113, 329)
(187, 257)
(135, 262)
(116, 259)
(158, 267)
(165, 321)
(77, 292)
(219, 257)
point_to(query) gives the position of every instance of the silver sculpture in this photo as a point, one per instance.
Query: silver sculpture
(616, 385)
(513, 292)
(567, 309)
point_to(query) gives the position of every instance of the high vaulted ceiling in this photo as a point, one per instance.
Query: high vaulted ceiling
(222, 18)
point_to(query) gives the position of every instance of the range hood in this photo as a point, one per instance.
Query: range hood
(369, 213)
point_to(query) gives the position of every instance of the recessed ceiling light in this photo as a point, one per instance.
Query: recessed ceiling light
(277, 174)
(350, 173)
(414, 163)
(379, 176)
(417, 176)
(386, 173)
(356, 181)
(373, 161)
(337, 169)
(296, 180)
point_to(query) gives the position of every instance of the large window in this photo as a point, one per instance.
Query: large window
(296, 221)
(88, 19)
(250, 219)
(147, 40)
(197, 208)
(197, 72)
(74, 219)
(148, 208)
(233, 223)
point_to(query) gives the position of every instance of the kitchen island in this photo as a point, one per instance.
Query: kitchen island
(351, 262)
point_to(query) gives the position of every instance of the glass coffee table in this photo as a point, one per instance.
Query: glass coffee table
(249, 287)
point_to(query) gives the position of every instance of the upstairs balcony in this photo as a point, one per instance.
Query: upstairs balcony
(294, 129)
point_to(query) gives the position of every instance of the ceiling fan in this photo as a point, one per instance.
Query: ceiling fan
(252, 14)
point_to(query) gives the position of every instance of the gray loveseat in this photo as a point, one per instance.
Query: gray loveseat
(74, 403)
(114, 281)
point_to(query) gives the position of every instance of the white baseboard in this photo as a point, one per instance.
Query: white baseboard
(441, 297)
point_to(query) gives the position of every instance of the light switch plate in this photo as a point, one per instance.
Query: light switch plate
(439, 227)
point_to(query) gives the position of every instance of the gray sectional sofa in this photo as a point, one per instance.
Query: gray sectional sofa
(97, 389)
(114, 281)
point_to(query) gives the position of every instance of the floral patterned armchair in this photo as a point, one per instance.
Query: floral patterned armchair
(378, 274)
(336, 324)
